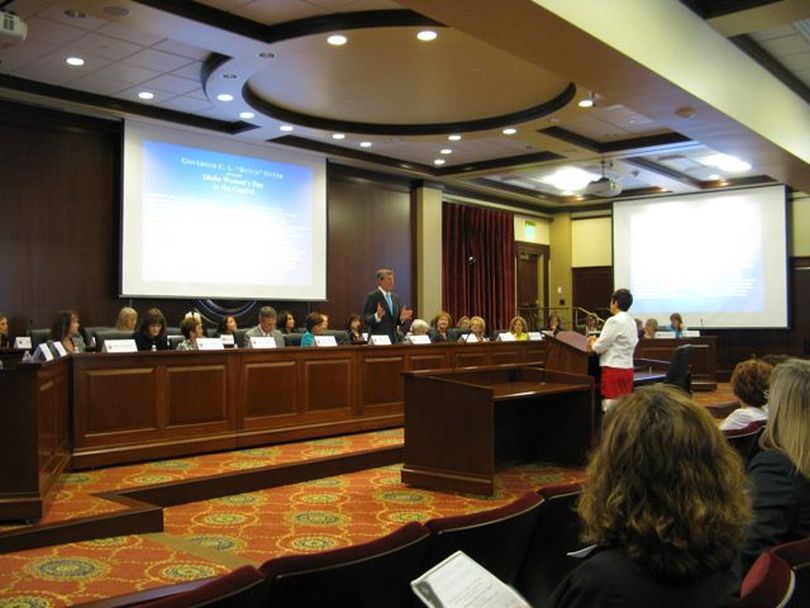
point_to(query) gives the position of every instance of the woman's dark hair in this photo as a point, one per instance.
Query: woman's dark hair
(151, 317)
(281, 325)
(665, 487)
(313, 319)
(623, 298)
(352, 319)
(61, 324)
(222, 327)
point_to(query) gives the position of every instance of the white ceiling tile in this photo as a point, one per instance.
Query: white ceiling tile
(185, 104)
(31, 7)
(18, 56)
(129, 34)
(128, 73)
(100, 86)
(198, 94)
(192, 71)
(270, 12)
(173, 84)
(797, 62)
(102, 46)
(773, 32)
(131, 94)
(786, 45)
(46, 72)
(184, 50)
(157, 60)
(52, 32)
(59, 71)
(56, 12)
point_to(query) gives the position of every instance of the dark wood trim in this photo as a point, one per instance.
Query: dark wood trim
(498, 163)
(639, 161)
(122, 105)
(487, 197)
(750, 47)
(708, 9)
(268, 108)
(619, 145)
(346, 173)
(320, 24)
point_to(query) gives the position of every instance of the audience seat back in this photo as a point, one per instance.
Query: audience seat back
(768, 584)
(497, 539)
(38, 336)
(679, 373)
(293, 339)
(91, 333)
(797, 555)
(371, 575)
(556, 534)
(746, 440)
(111, 334)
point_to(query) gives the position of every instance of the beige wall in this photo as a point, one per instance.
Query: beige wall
(591, 242)
(532, 230)
(560, 262)
(428, 202)
(799, 238)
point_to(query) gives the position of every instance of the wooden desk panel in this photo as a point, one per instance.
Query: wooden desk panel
(269, 388)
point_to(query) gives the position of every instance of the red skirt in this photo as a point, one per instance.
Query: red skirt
(616, 382)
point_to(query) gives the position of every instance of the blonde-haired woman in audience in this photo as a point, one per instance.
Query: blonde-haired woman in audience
(463, 324)
(749, 383)
(518, 328)
(666, 506)
(127, 319)
(478, 331)
(650, 327)
(440, 327)
(780, 473)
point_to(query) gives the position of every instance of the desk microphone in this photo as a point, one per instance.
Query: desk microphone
(701, 324)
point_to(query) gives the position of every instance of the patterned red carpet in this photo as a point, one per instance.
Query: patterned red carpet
(210, 537)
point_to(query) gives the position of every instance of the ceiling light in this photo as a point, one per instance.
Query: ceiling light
(338, 136)
(427, 35)
(337, 40)
(445, 151)
(454, 137)
(146, 95)
(286, 128)
(567, 193)
(74, 14)
(229, 76)
(439, 161)
(75, 61)
(714, 177)
(365, 144)
(246, 115)
(569, 179)
(225, 97)
(509, 131)
(726, 162)
(266, 55)
(588, 102)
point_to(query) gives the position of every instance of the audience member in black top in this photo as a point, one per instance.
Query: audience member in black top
(151, 335)
(5, 341)
(780, 474)
(65, 330)
(354, 330)
(227, 325)
(286, 322)
(440, 326)
(666, 506)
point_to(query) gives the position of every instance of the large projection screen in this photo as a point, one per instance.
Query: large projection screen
(211, 217)
(720, 259)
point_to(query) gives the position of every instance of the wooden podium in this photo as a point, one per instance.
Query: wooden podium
(568, 352)
(460, 424)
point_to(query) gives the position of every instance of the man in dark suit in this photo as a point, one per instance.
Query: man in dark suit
(382, 312)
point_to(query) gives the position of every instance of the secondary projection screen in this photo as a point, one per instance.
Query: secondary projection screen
(720, 259)
(215, 218)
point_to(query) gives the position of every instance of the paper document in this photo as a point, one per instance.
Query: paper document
(461, 582)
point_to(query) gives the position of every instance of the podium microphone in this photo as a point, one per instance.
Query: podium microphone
(471, 260)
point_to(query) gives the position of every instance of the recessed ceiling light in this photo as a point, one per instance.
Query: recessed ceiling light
(713, 177)
(569, 179)
(726, 162)
(338, 136)
(588, 102)
(229, 76)
(286, 128)
(365, 144)
(73, 14)
(509, 131)
(225, 97)
(146, 95)
(566, 193)
(266, 55)
(337, 40)
(246, 115)
(445, 151)
(439, 161)
(454, 137)
(554, 119)
(75, 61)
(427, 35)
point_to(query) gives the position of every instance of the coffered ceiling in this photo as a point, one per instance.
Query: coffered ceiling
(506, 77)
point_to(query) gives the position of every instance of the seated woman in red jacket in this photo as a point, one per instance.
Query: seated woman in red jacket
(666, 506)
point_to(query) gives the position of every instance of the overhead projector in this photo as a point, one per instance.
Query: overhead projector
(604, 187)
(13, 30)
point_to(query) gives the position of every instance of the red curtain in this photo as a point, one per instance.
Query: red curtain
(478, 255)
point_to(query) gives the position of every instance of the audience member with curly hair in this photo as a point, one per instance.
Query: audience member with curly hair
(749, 383)
(666, 507)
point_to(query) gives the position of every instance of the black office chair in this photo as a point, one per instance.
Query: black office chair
(38, 336)
(680, 368)
(102, 335)
(293, 339)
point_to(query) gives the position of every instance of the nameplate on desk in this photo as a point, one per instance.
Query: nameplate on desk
(42, 353)
(262, 342)
(210, 344)
(22, 343)
(536, 336)
(665, 334)
(380, 340)
(227, 340)
(468, 338)
(691, 333)
(418, 339)
(120, 346)
(60, 349)
(506, 336)
(325, 341)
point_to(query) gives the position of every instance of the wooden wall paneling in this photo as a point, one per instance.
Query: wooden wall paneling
(382, 379)
(271, 389)
(327, 388)
(118, 400)
(799, 305)
(591, 287)
(428, 359)
(196, 395)
(507, 355)
(469, 358)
